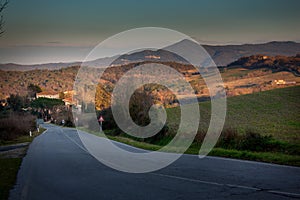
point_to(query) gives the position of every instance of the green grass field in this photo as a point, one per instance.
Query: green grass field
(274, 112)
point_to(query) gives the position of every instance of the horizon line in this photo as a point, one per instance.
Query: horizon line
(93, 46)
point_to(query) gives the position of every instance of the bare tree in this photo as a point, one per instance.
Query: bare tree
(3, 5)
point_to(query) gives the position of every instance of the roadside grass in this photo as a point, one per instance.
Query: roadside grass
(22, 139)
(8, 173)
(9, 166)
(269, 157)
(125, 140)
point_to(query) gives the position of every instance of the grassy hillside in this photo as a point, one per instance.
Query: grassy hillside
(262, 126)
(275, 112)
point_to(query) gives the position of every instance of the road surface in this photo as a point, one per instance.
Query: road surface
(57, 166)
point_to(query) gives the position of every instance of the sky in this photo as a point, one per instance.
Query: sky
(40, 31)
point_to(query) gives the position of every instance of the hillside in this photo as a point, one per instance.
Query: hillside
(224, 55)
(275, 112)
(275, 63)
(238, 80)
(16, 82)
(160, 55)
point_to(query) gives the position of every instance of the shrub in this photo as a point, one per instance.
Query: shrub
(229, 139)
(161, 138)
(200, 136)
(255, 142)
(17, 124)
(250, 141)
(69, 122)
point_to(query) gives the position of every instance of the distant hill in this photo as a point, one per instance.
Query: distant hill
(160, 55)
(50, 66)
(222, 55)
(101, 62)
(275, 63)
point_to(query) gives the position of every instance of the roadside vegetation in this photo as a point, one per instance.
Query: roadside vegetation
(262, 126)
(15, 126)
(10, 161)
(16, 123)
(8, 173)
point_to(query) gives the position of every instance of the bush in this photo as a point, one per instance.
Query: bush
(229, 139)
(161, 138)
(17, 124)
(69, 123)
(255, 142)
(250, 141)
(16, 102)
(200, 136)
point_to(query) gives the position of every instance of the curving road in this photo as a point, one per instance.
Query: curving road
(57, 166)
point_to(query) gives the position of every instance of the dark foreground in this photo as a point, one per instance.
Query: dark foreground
(58, 167)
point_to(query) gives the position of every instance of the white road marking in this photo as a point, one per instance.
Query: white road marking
(206, 182)
(288, 194)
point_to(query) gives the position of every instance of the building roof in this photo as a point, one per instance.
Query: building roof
(47, 93)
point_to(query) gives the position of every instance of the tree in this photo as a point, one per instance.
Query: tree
(3, 5)
(33, 89)
(61, 95)
(16, 102)
(46, 103)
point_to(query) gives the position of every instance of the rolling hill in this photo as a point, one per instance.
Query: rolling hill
(222, 55)
(274, 112)
(275, 63)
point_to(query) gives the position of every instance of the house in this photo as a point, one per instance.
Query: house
(68, 98)
(152, 57)
(69, 92)
(48, 94)
(69, 101)
(283, 82)
(279, 82)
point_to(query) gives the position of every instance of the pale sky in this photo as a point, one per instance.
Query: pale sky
(39, 31)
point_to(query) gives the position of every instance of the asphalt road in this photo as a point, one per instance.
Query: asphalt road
(57, 166)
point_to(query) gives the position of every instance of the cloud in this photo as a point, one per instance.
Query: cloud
(54, 42)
